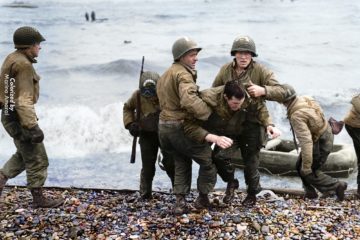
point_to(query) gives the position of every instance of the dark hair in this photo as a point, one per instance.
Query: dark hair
(233, 89)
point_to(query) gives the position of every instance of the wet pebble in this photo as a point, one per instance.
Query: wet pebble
(90, 214)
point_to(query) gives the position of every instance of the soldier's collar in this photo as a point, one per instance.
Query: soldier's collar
(31, 59)
(192, 71)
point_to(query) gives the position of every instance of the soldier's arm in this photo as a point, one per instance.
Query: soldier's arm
(303, 134)
(129, 109)
(264, 115)
(190, 99)
(273, 89)
(24, 102)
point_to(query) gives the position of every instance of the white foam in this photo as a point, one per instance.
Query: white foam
(77, 131)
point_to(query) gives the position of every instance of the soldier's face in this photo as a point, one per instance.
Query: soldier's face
(243, 59)
(34, 50)
(234, 103)
(190, 59)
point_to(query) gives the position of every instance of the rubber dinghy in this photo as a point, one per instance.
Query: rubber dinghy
(279, 158)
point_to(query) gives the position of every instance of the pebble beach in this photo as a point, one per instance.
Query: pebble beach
(120, 214)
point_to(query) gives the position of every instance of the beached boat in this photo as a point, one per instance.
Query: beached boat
(279, 158)
(20, 4)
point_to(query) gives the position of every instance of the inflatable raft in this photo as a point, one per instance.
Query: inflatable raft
(279, 158)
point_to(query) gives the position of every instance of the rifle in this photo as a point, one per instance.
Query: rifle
(138, 109)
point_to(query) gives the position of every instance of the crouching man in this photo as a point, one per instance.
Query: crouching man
(316, 141)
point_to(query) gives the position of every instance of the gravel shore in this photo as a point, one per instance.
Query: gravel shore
(120, 214)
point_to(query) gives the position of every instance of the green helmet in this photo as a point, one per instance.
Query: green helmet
(244, 43)
(148, 82)
(289, 92)
(25, 37)
(182, 46)
(148, 78)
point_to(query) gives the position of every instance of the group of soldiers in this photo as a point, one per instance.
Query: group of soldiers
(183, 122)
(232, 114)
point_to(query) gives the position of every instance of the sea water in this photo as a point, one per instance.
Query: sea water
(89, 69)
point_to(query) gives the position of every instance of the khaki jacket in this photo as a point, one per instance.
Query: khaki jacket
(223, 121)
(353, 117)
(22, 87)
(178, 95)
(259, 75)
(150, 110)
(309, 123)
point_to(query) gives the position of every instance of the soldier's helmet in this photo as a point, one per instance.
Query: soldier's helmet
(182, 46)
(148, 82)
(289, 92)
(26, 36)
(244, 43)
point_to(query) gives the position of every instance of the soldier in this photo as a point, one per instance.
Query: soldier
(316, 141)
(19, 93)
(179, 99)
(260, 85)
(352, 126)
(147, 128)
(228, 117)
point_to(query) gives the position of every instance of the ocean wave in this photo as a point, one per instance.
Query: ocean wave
(121, 66)
(75, 131)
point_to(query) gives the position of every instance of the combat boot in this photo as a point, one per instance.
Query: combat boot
(40, 201)
(310, 193)
(180, 205)
(230, 189)
(249, 201)
(202, 201)
(3, 180)
(146, 196)
(340, 190)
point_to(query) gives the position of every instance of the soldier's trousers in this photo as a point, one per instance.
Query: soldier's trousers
(355, 135)
(29, 157)
(250, 142)
(175, 143)
(149, 145)
(222, 160)
(317, 179)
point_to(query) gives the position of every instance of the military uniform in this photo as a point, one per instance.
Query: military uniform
(316, 142)
(179, 99)
(352, 125)
(149, 140)
(257, 117)
(29, 157)
(19, 92)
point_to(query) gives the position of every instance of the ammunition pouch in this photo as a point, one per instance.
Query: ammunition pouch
(336, 126)
(150, 122)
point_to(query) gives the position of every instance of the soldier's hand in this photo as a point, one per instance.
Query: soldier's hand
(134, 129)
(256, 90)
(272, 132)
(222, 141)
(36, 134)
